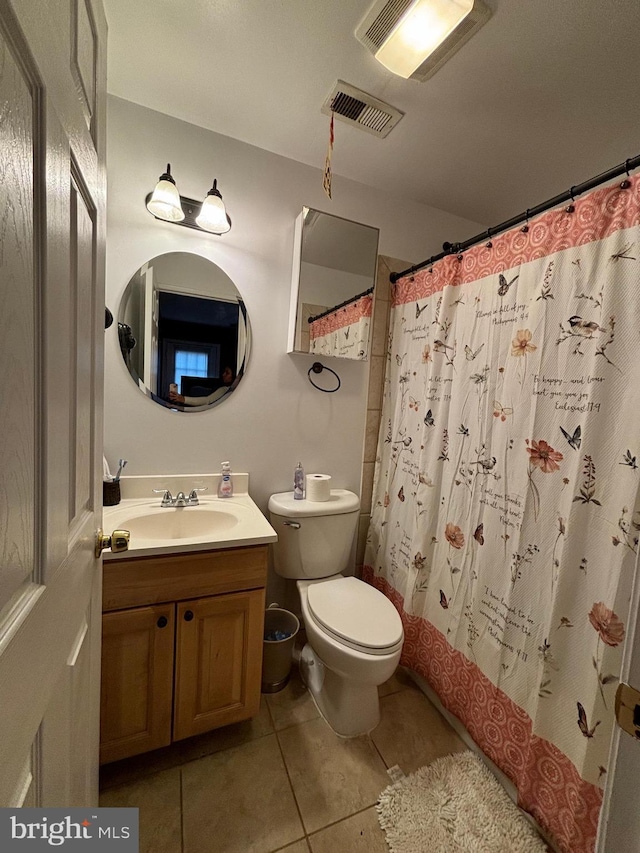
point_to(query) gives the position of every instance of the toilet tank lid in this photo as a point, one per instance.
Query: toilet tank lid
(340, 501)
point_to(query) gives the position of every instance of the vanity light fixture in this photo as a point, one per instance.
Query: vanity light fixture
(167, 204)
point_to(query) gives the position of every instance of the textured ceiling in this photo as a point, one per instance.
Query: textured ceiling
(546, 95)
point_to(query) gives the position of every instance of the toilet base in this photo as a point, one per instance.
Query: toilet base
(349, 709)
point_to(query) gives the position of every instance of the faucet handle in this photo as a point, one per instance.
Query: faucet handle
(167, 497)
(193, 495)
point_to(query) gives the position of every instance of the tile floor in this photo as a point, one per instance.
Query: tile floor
(282, 781)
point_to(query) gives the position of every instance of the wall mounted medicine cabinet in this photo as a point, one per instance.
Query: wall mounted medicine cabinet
(334, 268)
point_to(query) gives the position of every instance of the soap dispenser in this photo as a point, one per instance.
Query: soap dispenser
(298, 482)
(225, 487)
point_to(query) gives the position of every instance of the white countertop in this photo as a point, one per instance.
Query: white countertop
(214, 524)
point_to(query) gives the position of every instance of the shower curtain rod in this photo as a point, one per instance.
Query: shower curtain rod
(341, 305)
(569, 195)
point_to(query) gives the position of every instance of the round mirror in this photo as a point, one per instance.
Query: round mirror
(183, 332)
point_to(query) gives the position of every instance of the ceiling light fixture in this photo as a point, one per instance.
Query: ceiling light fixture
(167, 204)
(414, 38)
(424, 26)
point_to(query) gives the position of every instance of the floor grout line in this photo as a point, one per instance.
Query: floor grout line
(375, 746)
(295, 799)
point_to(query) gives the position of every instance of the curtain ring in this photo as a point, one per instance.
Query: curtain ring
(525, 227)
(488, 244)
(626, 183)
(316, 367)
(571, 207)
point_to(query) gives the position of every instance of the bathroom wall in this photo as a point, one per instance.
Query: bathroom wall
(275, 417)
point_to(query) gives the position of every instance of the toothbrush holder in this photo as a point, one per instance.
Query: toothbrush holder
(111, 493)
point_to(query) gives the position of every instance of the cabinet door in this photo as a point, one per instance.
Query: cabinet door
(137, 680)
(218, 661)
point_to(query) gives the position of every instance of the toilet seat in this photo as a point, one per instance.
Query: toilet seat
(356, 615)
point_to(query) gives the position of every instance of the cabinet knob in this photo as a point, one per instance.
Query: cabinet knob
(162, 622)
(188, 615)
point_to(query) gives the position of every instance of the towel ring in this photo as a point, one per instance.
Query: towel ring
(316, 367)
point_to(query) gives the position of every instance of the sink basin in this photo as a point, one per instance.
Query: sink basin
(181, 523)
(214, 523)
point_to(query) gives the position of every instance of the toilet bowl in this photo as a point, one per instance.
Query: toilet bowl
(354, 632)
(351, 660)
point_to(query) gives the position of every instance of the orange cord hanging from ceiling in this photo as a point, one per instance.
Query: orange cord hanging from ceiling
(326, 179)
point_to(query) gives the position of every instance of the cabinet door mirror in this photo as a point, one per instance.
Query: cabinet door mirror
(334, 267)
(183, 332)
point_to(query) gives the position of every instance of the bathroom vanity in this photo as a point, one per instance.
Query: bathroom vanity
(182, 630)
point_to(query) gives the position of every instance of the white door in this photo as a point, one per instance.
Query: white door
(52, 226)
(620, 819)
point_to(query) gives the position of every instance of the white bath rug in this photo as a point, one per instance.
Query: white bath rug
(454, 805)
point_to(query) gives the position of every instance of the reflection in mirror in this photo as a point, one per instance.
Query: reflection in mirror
(334, 267)
(183, 332)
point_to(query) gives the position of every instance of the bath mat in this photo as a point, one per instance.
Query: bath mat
(454, 805)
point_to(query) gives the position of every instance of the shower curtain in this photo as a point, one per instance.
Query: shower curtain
(505, 511)
(344, 332)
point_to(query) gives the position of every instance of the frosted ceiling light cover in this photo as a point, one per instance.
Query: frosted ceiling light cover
(424, 26)
(213, 215)
(165, 202)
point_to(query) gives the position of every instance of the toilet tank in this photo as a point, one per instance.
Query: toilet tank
(314, 537)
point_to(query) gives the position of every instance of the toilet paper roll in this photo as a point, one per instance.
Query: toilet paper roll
(318, 487)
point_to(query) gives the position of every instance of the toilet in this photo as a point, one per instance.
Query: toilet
(354, 633)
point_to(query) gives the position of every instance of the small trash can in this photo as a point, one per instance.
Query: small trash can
(280, 629)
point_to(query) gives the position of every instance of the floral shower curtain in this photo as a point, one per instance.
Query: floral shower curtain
(505, 515)
(344, 332)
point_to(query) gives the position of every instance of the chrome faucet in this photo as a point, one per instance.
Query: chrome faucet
(180, 499)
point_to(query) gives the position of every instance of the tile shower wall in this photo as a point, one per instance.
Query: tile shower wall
(381, 311)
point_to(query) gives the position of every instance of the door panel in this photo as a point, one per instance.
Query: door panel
(84, 55)
(18, 310)
(50, 580)
(619, 828)
(83, 345)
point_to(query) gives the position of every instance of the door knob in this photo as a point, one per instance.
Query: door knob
(118, 541)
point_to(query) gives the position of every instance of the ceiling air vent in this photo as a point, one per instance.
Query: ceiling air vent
(385, 14)
(361, 109)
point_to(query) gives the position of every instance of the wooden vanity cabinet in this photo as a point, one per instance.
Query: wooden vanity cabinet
(182, 646)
